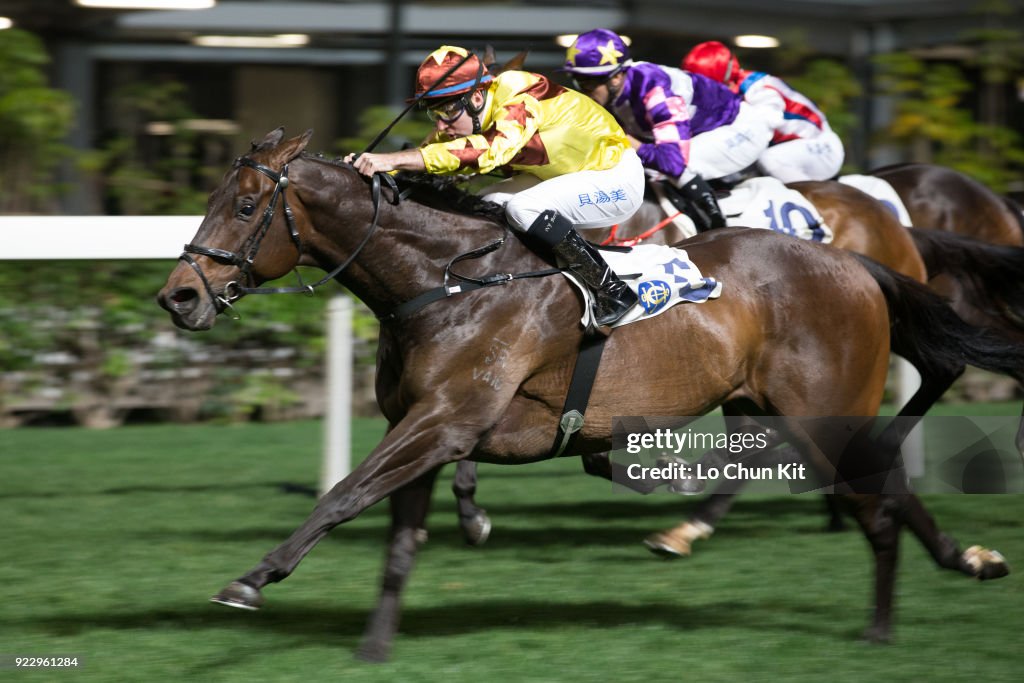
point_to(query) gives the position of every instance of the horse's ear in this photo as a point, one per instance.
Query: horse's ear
(516, 63)
(270, 140)
(292, 148)
(489, 58)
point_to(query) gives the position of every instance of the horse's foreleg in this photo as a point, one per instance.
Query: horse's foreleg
(416, 446)
(678, 541)
(473, 520)
(409, 507)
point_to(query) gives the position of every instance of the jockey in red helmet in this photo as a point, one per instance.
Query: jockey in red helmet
(686, 128)
(803, 146)
(570, 163)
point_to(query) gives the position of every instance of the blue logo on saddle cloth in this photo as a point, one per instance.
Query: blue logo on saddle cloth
(654, 294)
(661, 277)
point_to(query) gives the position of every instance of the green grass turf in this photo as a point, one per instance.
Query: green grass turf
(113, 541)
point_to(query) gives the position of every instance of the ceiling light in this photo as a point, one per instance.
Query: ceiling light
(568, 39)
(218, 126)
(280, 40)
(755, 41)
(5, 23)
(147, 4)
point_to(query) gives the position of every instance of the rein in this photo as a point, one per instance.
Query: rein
(614, 241)
(469, 284)
(233, 290)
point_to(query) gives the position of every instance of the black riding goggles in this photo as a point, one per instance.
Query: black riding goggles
(448, 112)
(587, 84)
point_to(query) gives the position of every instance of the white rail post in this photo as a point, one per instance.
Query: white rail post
(908, 381)
(337, 461)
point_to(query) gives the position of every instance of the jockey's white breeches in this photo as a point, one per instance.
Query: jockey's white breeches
(589, 199)
(728, 149)
(818, 158)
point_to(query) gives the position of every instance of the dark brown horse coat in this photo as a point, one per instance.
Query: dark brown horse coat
(800, 330)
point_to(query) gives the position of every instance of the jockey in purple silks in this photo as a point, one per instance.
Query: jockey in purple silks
(686, 128)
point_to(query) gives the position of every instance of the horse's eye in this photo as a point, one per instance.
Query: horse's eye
(247, 210)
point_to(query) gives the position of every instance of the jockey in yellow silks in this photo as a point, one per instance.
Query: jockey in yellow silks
(570, 163)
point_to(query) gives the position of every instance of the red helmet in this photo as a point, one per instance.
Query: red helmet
(714, 60)
(432, 83)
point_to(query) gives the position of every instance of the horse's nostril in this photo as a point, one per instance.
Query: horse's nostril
(183, 295)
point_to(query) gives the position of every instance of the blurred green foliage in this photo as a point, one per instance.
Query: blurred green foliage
(411, 130)
(103, 314)
(138, 179)
(935, 125)
(34, 120)
(936, 122)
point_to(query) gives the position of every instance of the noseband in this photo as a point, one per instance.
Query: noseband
(233, 290)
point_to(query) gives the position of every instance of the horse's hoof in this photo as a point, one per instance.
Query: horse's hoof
(876, 635)
(667, 546)
(374, 652)
(239, 595)
(985, 564)
(477, 529)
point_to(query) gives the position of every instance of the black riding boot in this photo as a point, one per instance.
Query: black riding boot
(612, 297)
(701, 198)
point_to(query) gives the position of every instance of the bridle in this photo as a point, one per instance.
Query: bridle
(234, 290)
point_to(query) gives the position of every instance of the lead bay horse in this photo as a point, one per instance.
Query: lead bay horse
(801, 330)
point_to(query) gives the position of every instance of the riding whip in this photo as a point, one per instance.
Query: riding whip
(384, 133)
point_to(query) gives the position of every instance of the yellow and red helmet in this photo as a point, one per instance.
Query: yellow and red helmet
(449, 71)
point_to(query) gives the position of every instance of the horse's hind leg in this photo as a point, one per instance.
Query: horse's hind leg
(880, 520)
(409, 507)
(880, 516)
(473, 520)
(975, 561)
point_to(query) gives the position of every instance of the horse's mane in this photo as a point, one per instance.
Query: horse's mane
(437, 192)
(443, 193)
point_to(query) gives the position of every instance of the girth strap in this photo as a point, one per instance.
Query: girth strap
(576, 399)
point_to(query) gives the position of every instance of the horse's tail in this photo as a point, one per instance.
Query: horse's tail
(989, 274)
(929, 334)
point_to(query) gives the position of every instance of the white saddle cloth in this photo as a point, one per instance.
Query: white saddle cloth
(661, 277)
(768, 204)
(882, 191)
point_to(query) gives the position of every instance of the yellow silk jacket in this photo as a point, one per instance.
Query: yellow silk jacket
(530, 124)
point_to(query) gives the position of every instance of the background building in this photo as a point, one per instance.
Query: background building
(341, 57)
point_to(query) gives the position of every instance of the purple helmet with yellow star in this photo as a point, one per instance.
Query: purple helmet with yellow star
(597, 53)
